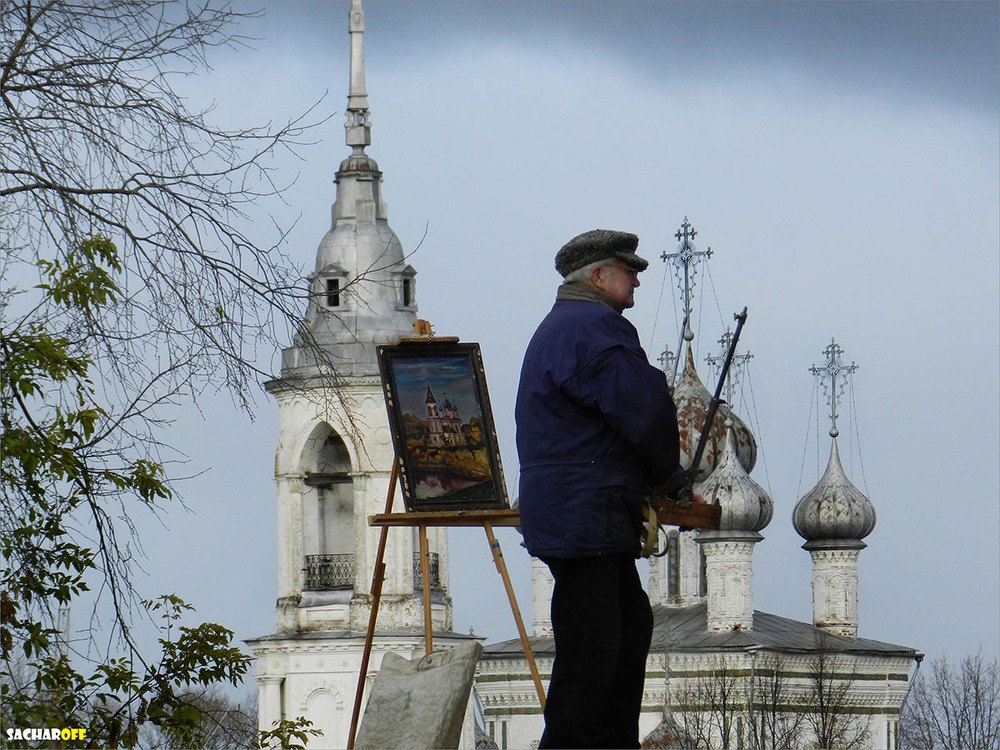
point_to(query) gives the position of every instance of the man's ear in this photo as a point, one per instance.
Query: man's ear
(597, 277)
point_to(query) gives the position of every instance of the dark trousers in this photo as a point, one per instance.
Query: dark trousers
(602, 625)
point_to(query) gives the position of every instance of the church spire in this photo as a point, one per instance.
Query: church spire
(362, 292)
(358, 125)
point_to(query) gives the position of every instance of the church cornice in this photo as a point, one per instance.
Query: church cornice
(345, 640)
(307, 383)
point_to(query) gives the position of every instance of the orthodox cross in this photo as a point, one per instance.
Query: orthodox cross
(737, 366)
(685, 262)
(828, 375)
(666, 360)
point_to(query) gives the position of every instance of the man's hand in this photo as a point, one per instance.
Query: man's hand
(675, 484)
(677, 489)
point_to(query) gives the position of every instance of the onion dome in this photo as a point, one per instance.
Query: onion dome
(834, 508)
(745, 505)
(358, 164)
(692, 400)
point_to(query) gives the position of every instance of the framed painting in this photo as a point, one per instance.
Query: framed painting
(442, 426)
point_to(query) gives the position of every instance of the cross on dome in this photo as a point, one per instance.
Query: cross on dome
(738, 364)
(828, 375)
(666, 360)
(686, 261)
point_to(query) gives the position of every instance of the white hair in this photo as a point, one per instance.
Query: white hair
(583, 273)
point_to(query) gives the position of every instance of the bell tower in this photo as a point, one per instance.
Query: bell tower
(334, 458)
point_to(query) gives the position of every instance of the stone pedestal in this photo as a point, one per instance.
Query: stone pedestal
(420, 703)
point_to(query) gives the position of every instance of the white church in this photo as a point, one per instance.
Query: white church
(719, 673)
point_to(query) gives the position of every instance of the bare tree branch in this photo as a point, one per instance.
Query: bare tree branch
(132, 280)
(956, 706)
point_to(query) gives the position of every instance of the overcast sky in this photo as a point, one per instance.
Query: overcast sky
(840, 159)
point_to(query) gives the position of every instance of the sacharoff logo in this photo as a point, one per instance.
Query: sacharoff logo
(41, 734)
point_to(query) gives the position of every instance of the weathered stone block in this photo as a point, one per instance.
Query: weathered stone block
(419, 704)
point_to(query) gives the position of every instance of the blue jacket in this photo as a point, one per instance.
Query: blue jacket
(595, 428)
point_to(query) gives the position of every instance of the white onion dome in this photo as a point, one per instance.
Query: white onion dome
(744, 503)
(692, 400)
(834, 508)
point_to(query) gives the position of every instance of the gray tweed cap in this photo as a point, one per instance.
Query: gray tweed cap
(598, 244)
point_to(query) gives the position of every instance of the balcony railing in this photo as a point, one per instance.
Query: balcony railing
(329, 572)
(433, 567)
(324, 572)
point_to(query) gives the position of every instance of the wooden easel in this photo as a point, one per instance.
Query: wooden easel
(423, 519)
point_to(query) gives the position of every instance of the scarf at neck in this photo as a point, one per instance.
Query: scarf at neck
(581, 291)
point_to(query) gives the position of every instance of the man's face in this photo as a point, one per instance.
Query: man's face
(618, 280)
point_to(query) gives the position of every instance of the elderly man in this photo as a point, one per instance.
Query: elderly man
(596, 428)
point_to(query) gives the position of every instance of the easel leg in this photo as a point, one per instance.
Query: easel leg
(502, 569)
(425, 574)
(376, 592)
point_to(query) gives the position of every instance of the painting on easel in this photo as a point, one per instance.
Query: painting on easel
(442, 426)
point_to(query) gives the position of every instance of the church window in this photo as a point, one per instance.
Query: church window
(333, 292)
(702, 577)
(406, 286)
(892, 734)
(497, 730)
(433, 570)
(673, 564)
(329, 288)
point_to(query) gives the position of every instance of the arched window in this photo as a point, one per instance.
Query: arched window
(328, 511)
(406, 285)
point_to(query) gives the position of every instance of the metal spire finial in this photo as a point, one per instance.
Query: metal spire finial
(358, 125)
(737, 366)
(685, 262)
(829, 373)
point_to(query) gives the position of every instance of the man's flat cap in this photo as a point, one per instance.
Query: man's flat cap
(598, 244)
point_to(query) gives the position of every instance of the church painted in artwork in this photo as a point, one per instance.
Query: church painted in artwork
(719, 674)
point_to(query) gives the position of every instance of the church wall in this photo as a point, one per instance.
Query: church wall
(875, 689)
(510, 703)
(541, 598)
